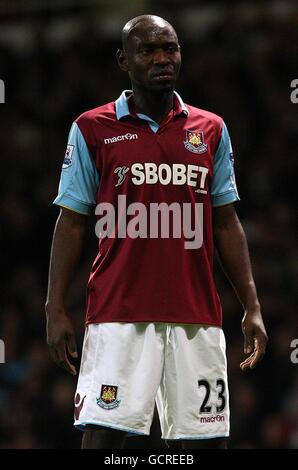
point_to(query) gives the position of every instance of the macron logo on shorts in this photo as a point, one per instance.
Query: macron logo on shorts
(119, 138)
(212, 419)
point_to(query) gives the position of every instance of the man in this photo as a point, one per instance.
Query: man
(153, 314)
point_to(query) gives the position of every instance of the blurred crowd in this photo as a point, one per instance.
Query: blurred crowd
(238, 61)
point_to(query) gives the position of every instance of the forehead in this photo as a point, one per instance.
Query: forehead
(154, 33)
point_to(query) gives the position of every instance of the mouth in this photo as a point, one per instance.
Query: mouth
(163, 75)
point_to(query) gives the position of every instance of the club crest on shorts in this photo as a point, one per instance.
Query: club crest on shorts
(108, 397)
(195, 141)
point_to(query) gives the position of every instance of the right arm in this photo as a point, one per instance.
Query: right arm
(65, 253)
(77, 191)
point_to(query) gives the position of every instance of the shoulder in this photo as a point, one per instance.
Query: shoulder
(207, 116)
(92, 121)
(210, 123)
(106, 111)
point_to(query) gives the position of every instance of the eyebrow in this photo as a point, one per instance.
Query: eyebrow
(155, 44)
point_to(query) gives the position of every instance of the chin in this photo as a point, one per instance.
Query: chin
(162, 87)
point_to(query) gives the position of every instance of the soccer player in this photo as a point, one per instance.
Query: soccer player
(154, 320)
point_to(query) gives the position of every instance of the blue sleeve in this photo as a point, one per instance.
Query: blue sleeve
(79, 176)
(223, 186)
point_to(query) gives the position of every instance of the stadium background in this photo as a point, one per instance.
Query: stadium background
(57, 59)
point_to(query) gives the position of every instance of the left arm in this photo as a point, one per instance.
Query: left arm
(231, 244)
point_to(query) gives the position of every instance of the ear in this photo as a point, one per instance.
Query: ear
(122, 60)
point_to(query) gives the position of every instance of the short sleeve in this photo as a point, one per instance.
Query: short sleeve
(79, 176)
(223, 186)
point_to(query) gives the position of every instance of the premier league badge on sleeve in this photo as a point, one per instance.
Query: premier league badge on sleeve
(108, 397)
(68, 157)
(195, 141)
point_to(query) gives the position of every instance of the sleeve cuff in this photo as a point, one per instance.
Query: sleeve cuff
(224, 199)
(74, 205)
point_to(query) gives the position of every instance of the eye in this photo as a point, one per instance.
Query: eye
(146, 51)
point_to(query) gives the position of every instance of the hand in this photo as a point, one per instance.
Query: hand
(255, 338)
(61, 339)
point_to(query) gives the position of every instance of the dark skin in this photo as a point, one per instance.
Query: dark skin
(151, 57)
(66, 249)
(230, 242)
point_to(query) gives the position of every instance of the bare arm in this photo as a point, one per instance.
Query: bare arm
(231, 245)
(66, 250)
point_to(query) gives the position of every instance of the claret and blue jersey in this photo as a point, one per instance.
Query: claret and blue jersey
(113, 151)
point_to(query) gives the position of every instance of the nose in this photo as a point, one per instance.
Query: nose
(161, 57)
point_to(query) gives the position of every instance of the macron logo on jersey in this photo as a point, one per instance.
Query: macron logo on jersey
(127, 136)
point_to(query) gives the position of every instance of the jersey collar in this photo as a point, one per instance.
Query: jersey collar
(122, 108)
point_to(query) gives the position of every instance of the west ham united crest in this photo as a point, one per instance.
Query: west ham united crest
(108, 397)
(195, 141)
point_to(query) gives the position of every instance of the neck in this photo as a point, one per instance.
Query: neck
(155, 105)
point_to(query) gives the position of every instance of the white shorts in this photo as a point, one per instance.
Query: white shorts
(127, 366)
